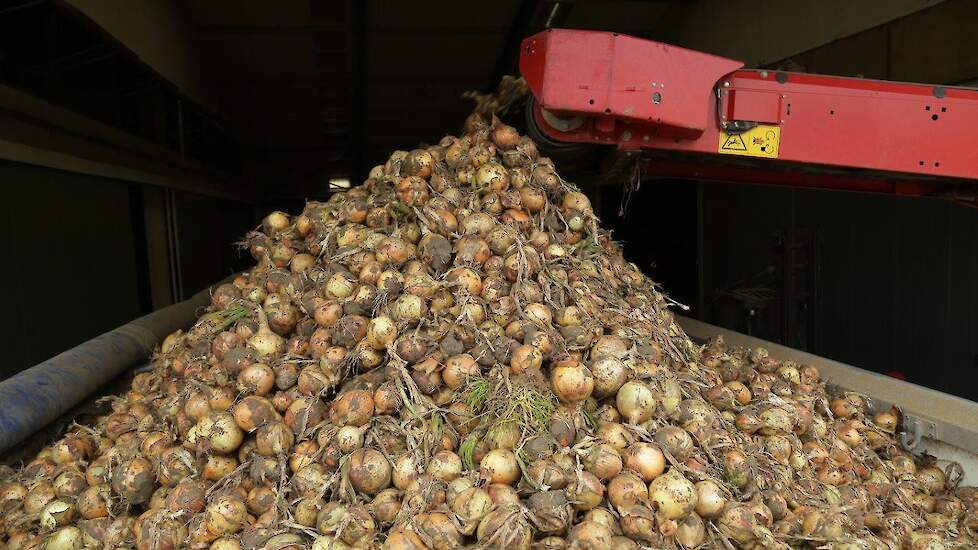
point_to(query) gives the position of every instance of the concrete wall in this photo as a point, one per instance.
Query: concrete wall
(156, 32)
(761, 32)
(935, 45)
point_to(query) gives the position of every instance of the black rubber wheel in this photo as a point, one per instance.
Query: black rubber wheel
(547, 146)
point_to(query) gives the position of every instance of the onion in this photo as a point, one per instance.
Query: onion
(493, 176)
(56, 514)
(576, 201)
(369, 471)
(252, 412)
(261, 499)
(538, 313)
(349, 438)
(615, 434)
(69, 484)
(887, 420)
(848, 434)
(304, 413)
(225, 515)
(328, 542)
(673, 495)
(266, 343)
(458, 369)
(445, 466)
(587, 492)
(646, 459)
(525, 358)
(225, 543)
(504, 436)
(636, 402)
(224, 434)
(218, 467)
(710, 499)
(405, 471)
(38, 497)
(500, 466)
(505, 524)
(404, 540)
(932, 478)
(505, 137)
(470, 506)
(776, 420)
(381, 332)
(846, 406)
(736, 467)
(275, 223)
(591, 535)
(626, 489)
(134, 481)
(609, 376)
(410, 308)
(257, 379)
(412, 190)
(386, 505)
(691, 532)
(467, 279)
(274, 439)
(66, 538)
(603, 461)
(352, 408)
(394, 251)
(571, 381)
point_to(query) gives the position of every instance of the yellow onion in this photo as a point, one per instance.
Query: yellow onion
(710, 499)
(673, 494)
(369, 471)
(445, 465)
(381, 332)
(636, 401)
(571, 381)
(646, 459)
(500, 466)
(66, 538)
(591, 535)
(603, 461)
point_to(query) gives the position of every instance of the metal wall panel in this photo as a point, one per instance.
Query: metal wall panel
(69, 264)
(895, 276)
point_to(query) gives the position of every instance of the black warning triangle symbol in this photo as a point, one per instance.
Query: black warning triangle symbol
(734, 143)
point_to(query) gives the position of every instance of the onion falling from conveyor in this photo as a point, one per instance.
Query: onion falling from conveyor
(453, 355)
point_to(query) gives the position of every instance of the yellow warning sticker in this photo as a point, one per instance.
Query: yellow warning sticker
(760, 141)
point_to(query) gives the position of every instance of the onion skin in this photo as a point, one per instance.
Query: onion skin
(369, 471)
(646, 459)
(673, 495)
(445, 465)
(500, 466)
(636, 401)
(571, 381)
(710, 499)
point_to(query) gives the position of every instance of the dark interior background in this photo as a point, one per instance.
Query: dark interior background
(139, 141)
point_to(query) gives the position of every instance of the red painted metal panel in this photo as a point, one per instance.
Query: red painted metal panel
(600, 73)
(753, 105)
(901, 129)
